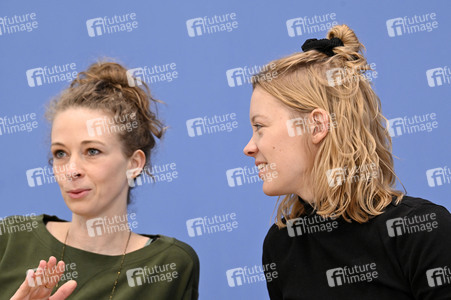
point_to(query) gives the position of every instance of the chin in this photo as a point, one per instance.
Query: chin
(270, 190)
(78, 207)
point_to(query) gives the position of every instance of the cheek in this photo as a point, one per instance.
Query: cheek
(60, 172)
(110, 173)
(290, 159)
(117, 171)
(113, 175)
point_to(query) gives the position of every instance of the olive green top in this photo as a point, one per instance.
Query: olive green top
(165, 269)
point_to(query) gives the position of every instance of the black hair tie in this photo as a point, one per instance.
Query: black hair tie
(324, 45)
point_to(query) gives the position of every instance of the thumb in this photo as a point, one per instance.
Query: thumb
(64, 291)
(25, 288)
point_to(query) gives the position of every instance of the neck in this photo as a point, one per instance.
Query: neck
(106, 234)
(306, 194)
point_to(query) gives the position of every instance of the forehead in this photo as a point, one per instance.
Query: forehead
(264, 104)
(74, 124)
(75, 118)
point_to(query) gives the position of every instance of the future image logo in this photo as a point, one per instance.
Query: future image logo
(35, 177)
(211, 25)
(340, 76)
(135, 77)
(211, 124)
(235, 77)
(165, 172)
(302, 125)
(335, 76)
(351, 274)
(438, 276)
(112, 125)
(438, 76)
(438, 176)
(310, 225)
(152, 74)
(412, 124)
(152, 275)
(244, 75)
(46, 175)
(18, 23)
(18, 223)
(251, 274)
(308, 25)
(59, 274)
(411, 224)
(210, 225)
(110, 25)
(106, 225)
(248, 175)
(409, 25)
(51, 74)
(18, 123)
(364, 172)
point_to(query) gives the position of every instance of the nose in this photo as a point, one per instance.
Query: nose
(251, 148)
(73, 169)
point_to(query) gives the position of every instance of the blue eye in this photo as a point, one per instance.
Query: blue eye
(92, 151)
(59, 154)
(257, 126)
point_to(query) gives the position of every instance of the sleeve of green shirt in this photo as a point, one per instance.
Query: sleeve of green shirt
(167, 269)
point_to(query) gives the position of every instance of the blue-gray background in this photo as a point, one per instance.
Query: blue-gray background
(202, 89)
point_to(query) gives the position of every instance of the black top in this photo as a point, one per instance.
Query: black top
(404, 253)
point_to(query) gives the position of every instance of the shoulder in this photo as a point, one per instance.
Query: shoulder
(274, 232)
(186, 250)
(414, 206)
(417, 232)
(20, 223)
(22, 218)
(16, 229)
(409, 203)
(412, 215)
(275, 237)
(414, 225)
(176, 248)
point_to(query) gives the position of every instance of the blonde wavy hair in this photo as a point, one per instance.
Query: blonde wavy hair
(303, 82)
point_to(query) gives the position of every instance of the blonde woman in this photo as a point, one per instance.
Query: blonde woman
(342, 230)
(103, 133)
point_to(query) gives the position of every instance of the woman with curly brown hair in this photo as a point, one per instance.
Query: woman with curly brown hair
(342, 230)
(103, 132)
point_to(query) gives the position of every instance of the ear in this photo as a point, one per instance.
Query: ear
(136, 163)
(319, 128)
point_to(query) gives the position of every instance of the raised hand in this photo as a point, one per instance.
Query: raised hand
(38, 285)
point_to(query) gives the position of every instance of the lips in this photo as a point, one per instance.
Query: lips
(261, 166)
(78, 193)
(257, 163)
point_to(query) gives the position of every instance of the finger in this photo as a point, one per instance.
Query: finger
(38, 277)
(39, 274)
(64, 291)
(60, 267)
(59, 270)
(43, 289)
(48, 271)
(52, 262)
(52, 274)
(25, 287)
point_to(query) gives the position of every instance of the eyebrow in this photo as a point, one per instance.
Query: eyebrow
(256, 116)
(83, 143)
